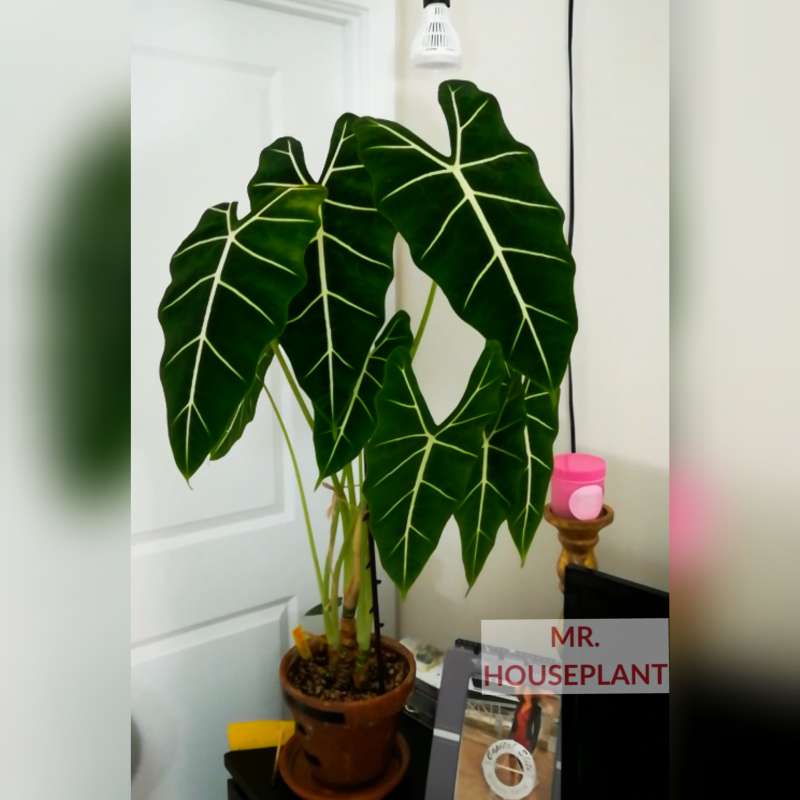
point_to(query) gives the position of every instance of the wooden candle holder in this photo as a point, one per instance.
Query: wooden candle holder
(578, 539)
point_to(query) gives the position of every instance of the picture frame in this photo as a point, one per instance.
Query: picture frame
(491, 744)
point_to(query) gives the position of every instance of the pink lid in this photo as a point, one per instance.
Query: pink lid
(579, 467)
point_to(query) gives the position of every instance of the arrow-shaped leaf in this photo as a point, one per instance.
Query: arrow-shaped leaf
(493, 483)
(336, 317)
(538, 435)
(337, 445)
(232, 282)
(246, 409)
(417, 471)
(482, 223)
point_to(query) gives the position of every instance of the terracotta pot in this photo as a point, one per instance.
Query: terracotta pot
(348, 743)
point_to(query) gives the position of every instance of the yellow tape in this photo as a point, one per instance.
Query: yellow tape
(259, 734)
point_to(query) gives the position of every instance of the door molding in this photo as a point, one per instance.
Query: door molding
(370, 77)
(285, 611)
(326, 10)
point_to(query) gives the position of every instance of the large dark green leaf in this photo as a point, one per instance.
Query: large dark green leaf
(538, 435)
(417, 471)
(482, 223)
(493, 484)
(335, 318)
(232, 282)
(246, 409)
(337, 445)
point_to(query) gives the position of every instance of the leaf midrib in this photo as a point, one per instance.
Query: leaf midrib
(469, 193)
(529, 484)
(499, 253)
(484, 483)
(323, 285)
(354, 397)
(202, 340)
(413, 502)
(432, 440)
(324, 293)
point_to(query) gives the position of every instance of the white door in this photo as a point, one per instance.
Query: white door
(221, 570)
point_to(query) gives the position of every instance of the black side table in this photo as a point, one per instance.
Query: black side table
(251, 770)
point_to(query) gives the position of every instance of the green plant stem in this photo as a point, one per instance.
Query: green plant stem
(350, 483)
(309, 530)
(365, 600)
(345, 510)
(334, 588)
(423, 323)
(332, 597)
(298, 395)
(293, 384)
(350, 563)
(331, 548)
(344, 559)
(337, 569)
(345, 549)
(358, 594)
(328, 583)
(364, 605)
(353, 585)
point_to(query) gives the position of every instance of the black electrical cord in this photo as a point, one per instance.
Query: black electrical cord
(571, 227)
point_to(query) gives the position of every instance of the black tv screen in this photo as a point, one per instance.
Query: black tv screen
(613, 745)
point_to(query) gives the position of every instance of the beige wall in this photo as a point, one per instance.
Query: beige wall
(517, 50)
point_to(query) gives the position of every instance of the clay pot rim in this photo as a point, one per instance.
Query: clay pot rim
(344, 705)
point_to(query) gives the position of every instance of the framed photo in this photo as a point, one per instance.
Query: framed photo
(488, 745)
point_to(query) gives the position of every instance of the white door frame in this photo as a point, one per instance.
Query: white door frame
(371, 67)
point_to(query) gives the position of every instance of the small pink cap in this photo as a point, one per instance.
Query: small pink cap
(579, 467)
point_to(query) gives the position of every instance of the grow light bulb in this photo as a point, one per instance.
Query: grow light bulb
(436, 43)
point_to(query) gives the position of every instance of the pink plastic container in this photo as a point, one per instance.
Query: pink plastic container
(578, 486)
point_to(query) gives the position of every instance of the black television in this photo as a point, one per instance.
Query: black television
(614, 746)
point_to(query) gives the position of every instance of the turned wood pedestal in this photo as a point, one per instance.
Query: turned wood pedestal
(578, 539)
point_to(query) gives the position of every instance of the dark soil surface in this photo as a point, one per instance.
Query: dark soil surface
(316, 679)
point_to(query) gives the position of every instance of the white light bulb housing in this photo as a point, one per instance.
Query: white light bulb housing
(436, 43)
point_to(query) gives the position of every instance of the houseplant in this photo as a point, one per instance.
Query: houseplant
(301, 281)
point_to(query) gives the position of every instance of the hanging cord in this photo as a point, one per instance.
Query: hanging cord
(571, 227)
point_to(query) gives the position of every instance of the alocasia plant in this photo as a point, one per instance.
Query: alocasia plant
(302, 281)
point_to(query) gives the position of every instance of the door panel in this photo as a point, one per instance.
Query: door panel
(221, 569)
(193, 670)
